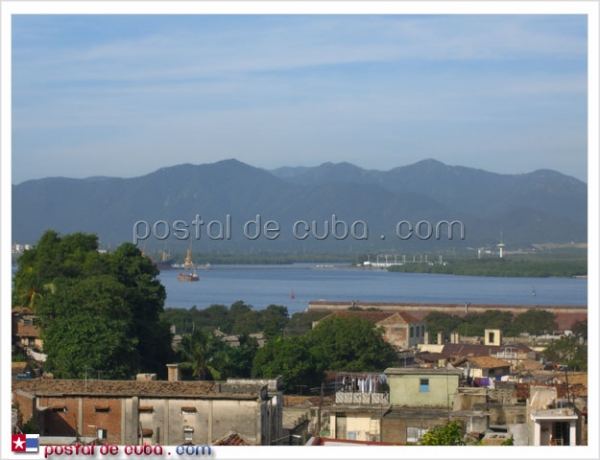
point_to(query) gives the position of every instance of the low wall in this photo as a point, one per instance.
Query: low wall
(566, 315)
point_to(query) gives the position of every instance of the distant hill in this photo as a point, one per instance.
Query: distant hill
(541, 206)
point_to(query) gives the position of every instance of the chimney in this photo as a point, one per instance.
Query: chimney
(440, 338)
(173, 372)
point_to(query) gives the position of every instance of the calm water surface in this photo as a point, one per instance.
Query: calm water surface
(262, 285)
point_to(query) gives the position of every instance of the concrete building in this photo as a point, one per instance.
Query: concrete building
(492, 337)
(358, 423)
(401, 330)
(554, 427)
(361, 400)
(552, 421)
(155, 412)
(419, 387)
(488, 367)
(25, 329)
(407, 425)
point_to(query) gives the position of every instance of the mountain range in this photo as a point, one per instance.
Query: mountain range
(537, 207)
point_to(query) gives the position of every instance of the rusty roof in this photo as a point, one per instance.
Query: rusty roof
(371, 316)
(464, 350)
(125, 388)
(231, 439)
(488, 362)
(27, 330)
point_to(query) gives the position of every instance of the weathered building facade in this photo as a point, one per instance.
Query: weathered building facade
(156, 412)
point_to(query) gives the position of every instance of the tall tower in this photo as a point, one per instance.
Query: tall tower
(501, 246)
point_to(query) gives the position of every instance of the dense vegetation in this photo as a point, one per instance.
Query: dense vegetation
(206, 357)
(570, 351)
(341, 344)
(506, 267)
(99, 313)
(265, 257)
(241, 318)
(450, 434)
(534, 322)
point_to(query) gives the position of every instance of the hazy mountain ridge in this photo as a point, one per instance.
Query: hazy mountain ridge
(540, 206)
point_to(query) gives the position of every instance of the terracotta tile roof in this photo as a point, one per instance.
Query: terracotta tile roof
(19, 366)
(465, 350)
(27, 330)
(406, 317)
(575, 378)
(371, 316)
(375, 316)
(124, 388)
(340, 442)
(528, 365)
(305, 401)
(488, 362)
(231, 439)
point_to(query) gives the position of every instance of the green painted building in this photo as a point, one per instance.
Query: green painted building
(415, 387)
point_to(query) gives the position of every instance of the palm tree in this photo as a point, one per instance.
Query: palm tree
(197, 351)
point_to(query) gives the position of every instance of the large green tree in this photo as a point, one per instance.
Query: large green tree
(535, 322)
(569, 351)
(289, 358)
(206, 357)
(98, 311)
(339, 344)
(88, 329)
(349, 344)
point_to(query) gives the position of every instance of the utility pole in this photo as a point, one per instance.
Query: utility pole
(567, 383)
(318, 427)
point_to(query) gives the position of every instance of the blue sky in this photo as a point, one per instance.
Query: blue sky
(125, 95)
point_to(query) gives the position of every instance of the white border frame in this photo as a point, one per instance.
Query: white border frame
(589, 8)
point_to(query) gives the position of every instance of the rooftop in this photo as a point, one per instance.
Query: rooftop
(231, 439)
(488, 362)
(125, 388)
(421, 371)
(317, 441)
(472, 349)
(374, 316)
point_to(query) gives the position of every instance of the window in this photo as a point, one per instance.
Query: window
(188, 434)
(352, 435)
(414, 434)
(412, 332)
(491, 337)
(423, 385)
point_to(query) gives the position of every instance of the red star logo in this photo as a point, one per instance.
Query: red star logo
(18, 443)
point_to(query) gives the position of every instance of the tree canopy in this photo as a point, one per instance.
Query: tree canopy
(239, 319)
(450, 434)
(206, 357)
(340, 344)
(532, 321)
(570, 351)
(99, 312)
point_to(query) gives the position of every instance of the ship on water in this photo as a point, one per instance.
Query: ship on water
(165, 261)
(189, 274)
